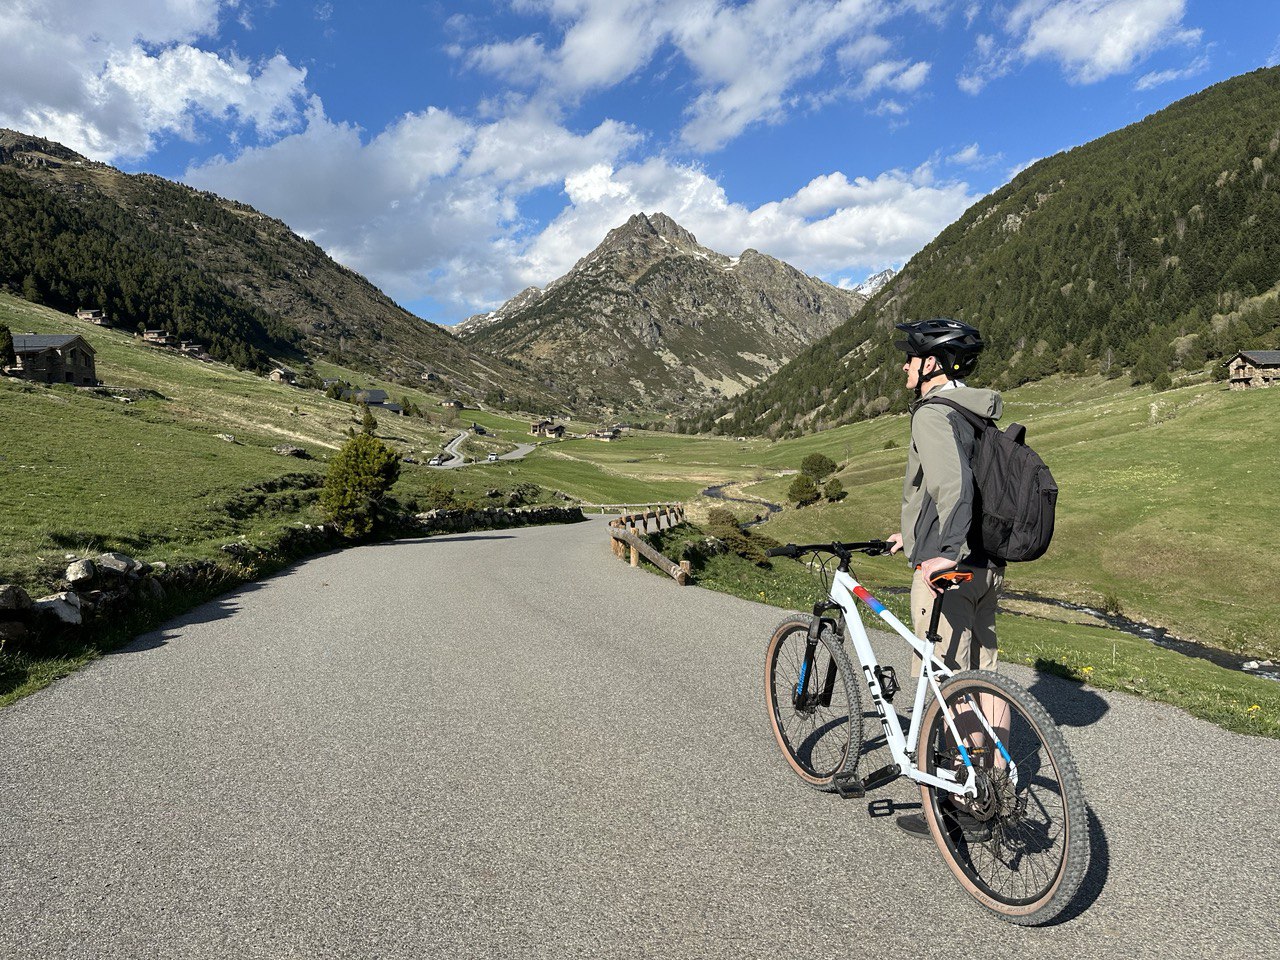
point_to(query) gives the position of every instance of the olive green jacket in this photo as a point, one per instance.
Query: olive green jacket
(937, 490)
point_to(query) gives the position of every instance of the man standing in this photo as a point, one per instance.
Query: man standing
(938, 499)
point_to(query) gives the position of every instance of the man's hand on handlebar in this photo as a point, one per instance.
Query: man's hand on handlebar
(895, 543)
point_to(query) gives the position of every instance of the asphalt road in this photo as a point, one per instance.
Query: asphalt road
(510, 744)
(521, 451)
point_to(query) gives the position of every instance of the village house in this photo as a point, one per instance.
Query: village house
(53, 359)
(453, 404)
(96, 317)
(282, 375)
(160, 338)
(546, 428)
(607, 434)
(1254, 368)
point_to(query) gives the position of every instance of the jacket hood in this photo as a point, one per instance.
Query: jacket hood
(985, 403)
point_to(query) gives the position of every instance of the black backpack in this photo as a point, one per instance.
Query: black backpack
(1015, 495)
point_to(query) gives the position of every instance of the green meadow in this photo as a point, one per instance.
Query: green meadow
(1166, 508)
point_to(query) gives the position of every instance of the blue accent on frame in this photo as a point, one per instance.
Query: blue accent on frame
(1004, 753)
(804, 672)
(964, 754)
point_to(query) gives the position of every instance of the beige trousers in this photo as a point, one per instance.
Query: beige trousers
(968, 624)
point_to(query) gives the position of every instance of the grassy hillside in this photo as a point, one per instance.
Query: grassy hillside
(152, 477)
(1124, 253)
(77, 233)
(1167, 498)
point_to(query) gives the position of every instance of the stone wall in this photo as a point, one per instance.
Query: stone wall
(495, 518)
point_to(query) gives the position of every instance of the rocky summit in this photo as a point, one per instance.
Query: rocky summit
(653, 322)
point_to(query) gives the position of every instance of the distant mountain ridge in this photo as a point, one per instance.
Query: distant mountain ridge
(1151, 251)
(651, 321)
(151, 252)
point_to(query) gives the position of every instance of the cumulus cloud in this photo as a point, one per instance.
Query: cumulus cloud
(1090, 39)
(108, 78)
(431, 207)
(747, 58)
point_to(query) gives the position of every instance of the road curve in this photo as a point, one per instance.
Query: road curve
(509, 744)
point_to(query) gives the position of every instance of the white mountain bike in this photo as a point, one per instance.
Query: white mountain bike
(1000, 792)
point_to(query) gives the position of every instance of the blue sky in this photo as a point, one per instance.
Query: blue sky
(455, 153)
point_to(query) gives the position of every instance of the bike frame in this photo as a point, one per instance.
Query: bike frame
(903, 746)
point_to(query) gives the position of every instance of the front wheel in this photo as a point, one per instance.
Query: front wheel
(1020, 847)
(814, 706)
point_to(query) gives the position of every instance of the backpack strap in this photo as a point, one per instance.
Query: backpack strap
(978, 422)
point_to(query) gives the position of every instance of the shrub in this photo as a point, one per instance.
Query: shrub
(367, 424)
(817, 466)
(358, 479)
(834, 490)
(7, 358)
(803, 490)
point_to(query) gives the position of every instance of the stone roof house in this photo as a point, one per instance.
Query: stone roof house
(546, 428)
(1254, 368)
(53, 358)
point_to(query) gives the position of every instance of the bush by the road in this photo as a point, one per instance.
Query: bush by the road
(834, 490)
(358, 479)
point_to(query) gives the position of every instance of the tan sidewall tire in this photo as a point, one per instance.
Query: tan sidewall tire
(1065, 885)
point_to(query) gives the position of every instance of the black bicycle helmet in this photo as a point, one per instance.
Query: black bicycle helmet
(955, 344)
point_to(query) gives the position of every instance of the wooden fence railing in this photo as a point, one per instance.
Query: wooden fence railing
(626, 531)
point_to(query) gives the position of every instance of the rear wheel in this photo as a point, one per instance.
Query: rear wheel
(1020, 847)
(815, 713)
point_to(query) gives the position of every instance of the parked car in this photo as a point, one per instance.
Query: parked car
(493, 457)
(436, 461)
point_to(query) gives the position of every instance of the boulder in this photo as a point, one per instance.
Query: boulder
(11, 632)
(118, 564)
(229, 438)
(153, 588)
(13, 599)
(61, 606)
(289, 450)
(81, 571)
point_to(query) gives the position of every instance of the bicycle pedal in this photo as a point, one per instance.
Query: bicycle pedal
(848, 785)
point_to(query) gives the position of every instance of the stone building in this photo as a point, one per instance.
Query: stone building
(53, 358)
(1254, 368)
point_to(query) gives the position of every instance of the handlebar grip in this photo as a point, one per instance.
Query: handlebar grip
(789, 550)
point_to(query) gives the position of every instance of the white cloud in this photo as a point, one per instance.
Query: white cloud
(1156, 78)
(431, 206)
(1090, 39)
(1095, 39)
(973, 157)
(747, 58)
(108, 78)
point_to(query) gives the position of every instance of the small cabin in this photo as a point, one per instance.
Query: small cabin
(96, 317)
(1254, 368)
(454, 404)
(53, 359)
(282, 375)
(160, 338)
(546, 428)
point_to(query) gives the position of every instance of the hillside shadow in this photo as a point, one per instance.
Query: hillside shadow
(450, 538)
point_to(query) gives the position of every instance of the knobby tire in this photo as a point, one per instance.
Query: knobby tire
(1030, 867)
(816, 743)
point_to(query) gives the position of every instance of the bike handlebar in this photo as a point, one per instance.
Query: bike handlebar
(872, 548)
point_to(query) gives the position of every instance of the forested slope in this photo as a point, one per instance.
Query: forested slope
(1131, 254)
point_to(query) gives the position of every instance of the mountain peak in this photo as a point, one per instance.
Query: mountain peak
(643, 227)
